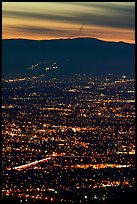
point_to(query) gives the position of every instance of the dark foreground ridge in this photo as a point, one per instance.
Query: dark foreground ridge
(80, 55)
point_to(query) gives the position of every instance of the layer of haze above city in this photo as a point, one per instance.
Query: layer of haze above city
(109, 21)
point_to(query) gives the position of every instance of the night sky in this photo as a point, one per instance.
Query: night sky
(110, 21)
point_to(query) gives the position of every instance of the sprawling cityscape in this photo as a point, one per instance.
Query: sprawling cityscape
(67, 138)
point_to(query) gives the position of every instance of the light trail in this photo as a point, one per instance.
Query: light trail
(32, 163)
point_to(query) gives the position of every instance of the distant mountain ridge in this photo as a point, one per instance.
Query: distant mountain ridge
(79, 55)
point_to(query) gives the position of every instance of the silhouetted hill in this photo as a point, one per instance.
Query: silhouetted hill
(81, 55)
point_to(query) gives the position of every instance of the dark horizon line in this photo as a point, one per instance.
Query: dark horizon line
(73, 38)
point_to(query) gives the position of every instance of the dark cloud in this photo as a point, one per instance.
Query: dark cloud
(110, 7)
(39, 30)
(24, 14)
(115, 7)
(111, 21)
